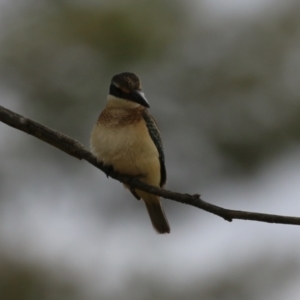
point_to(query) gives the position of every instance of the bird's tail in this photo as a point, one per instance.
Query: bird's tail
(157, 214)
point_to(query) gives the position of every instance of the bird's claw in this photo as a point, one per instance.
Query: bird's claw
(109, 170)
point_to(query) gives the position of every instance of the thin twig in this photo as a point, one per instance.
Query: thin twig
(76, 149)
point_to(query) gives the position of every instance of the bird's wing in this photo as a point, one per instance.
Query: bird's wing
(156, 138)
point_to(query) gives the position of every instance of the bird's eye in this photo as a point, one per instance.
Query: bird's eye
(117, 88)
(124, 90)
(121, 89)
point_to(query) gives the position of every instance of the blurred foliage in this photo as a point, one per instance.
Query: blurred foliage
(236, 83)
(62, 55)
(256, 280)
(25, 281)
(123, 34)
(241, 81)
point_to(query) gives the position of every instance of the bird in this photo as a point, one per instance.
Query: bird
(126, 138)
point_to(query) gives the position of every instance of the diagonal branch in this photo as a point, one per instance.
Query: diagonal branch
(76, 149)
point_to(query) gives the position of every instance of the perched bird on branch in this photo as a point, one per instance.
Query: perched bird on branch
(126, 138)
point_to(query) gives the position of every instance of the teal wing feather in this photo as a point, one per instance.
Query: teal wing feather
(156, 138)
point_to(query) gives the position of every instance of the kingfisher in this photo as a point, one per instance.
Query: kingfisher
(127, 139)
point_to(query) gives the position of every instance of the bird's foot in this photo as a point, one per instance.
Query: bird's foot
(108, 170)
(132, 190)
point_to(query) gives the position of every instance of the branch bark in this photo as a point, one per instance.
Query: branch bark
(76, 149)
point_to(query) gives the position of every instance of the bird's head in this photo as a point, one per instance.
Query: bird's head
(127, 86)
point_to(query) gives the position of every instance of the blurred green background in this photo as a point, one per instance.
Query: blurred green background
(222, 79)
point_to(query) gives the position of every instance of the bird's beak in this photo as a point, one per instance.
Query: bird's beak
(139, 97)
